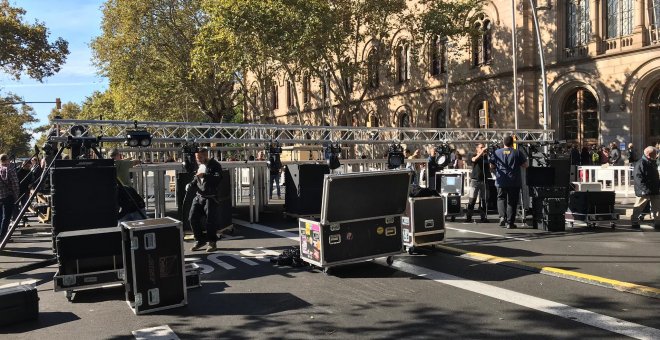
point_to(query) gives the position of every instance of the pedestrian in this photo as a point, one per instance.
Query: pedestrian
(478, 184)
(647, 187)
(506, 163)
(275, 168)
(615, 155)
(25, 180)
(632, 155)
(585, 157)
(575, 155)
(206, 203)
(595, 155)
(604, 155)
(9, 192)
(123, 166)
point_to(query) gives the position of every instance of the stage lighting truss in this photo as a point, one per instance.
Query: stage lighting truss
(395, 157)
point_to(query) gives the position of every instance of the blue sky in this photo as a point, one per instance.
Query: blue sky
(78, 22)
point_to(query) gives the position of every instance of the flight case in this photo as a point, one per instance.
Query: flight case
(154, 261)
(360, 219)
(18, 303)
(423, 224)
(87, 259)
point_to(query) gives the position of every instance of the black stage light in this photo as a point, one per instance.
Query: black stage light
(443, 154)
(77, 131)
(137, 138)
(395, 157)
(332, 152)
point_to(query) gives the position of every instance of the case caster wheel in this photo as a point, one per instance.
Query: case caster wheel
(389, 260)
(326, 270)
(452, 218)
(411, 250)
(69, 295)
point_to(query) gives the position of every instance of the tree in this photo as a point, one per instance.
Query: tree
(145, 51)
(14, 136)
(25, 47)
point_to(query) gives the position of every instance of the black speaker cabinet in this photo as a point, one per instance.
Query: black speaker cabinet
(303, 188)
(154, 264)
(84, 195)
(591, 202)
(562, 168)
(423, 223)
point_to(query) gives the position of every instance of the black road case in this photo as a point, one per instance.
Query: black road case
(87, 259)
(18, 303)
(591, 208)
(423, 224)
(154, 261)
(360, 219)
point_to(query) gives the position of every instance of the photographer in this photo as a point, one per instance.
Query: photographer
(477, 183)
(207, 186)
(506, 163)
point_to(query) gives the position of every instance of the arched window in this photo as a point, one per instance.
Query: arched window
(482, 42)
(403, 62)
(619, 18)
(654, 116)
(290, 93)
(578, 25)
(438, 55)
(274, 98)
(373, 69)
(655, 15)
(404, 120)
(440, 118)
(306, 83)
(579, 121)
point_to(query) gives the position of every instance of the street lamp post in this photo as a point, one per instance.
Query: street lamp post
(515, 63)
(544, 82)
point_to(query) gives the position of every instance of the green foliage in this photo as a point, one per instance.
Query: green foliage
(145, 51)
(14, 136)
(25, 47)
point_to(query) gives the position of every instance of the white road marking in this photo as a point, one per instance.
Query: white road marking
(576, 314)
(265, 229)
(215, 258)
(155, 333)
(554, 308)
(478, 232)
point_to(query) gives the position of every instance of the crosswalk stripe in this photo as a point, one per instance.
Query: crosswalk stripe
(163, 332)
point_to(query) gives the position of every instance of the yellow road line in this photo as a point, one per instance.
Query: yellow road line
(557, 272)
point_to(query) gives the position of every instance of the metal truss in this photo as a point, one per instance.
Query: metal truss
(227, 133)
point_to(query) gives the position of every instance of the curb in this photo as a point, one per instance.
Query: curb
(556, 272)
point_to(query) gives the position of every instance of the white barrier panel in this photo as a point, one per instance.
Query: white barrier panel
(612, 178)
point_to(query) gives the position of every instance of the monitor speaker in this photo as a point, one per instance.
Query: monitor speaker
(304, 188)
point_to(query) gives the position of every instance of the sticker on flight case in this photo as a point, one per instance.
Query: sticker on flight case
(349, 236)
(380, 230)
(405, 220)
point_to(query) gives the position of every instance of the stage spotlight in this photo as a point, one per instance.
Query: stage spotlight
(332, 152)
(138, 138)
(443, 154)
(275, 148)
(77, 130)
(395, 157)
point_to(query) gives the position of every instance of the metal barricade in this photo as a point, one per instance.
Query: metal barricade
(613, 178)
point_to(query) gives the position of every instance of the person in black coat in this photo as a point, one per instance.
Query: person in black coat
(632, 155)
(206, 202)
(647, 186)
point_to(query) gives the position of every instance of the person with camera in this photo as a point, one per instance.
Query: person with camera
(206, 184)
(9, 192)
(477, 184)
(647, 187)
(506, 163)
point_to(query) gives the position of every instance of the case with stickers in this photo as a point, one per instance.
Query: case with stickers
(423, 224)
(360, 219)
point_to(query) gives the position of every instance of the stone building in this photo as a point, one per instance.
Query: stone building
(602, 59)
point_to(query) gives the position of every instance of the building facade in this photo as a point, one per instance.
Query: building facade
(602, 59)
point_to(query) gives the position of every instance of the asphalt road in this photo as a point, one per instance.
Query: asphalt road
(429, 295)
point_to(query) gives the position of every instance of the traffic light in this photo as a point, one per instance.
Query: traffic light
(58, 103)
(483, 116)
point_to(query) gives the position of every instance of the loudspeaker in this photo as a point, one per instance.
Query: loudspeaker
(491, 196)
(303, 188)
(84, 195)
(591, 202)
(562, 168)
